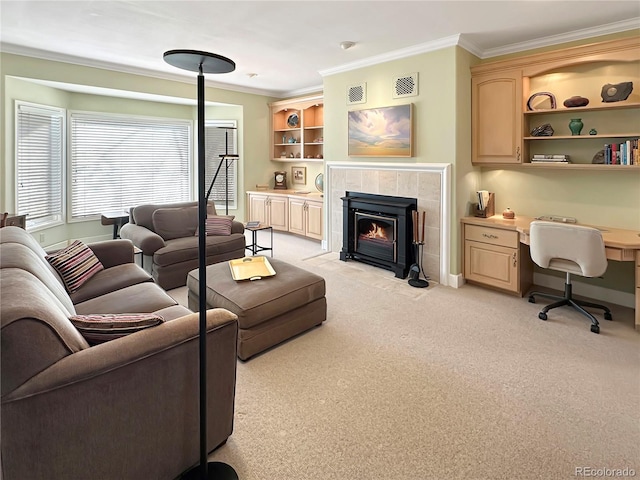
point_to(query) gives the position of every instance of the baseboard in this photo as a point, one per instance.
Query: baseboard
(592, 292)
(456, 280)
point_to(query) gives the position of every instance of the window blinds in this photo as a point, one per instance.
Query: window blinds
(118, 162)
(40, 154)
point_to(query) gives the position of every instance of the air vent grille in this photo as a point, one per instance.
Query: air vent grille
(405, 85)
(357, 94)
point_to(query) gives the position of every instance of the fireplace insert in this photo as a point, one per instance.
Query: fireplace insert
(377, 230)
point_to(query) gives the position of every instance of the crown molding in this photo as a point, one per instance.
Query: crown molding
(115, 67)
(394, 55)
(616, 27)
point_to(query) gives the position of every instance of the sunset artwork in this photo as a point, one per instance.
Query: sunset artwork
(381, 132)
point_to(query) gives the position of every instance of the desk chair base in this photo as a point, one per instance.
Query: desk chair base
(567, 299)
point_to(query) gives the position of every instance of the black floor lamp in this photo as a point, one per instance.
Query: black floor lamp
(203, 62)
(224, 159)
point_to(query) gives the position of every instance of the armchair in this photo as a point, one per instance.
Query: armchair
(166, 233)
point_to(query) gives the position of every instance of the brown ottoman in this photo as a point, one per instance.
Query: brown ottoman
(269, 310)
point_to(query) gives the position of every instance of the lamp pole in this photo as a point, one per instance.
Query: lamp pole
(203, 62)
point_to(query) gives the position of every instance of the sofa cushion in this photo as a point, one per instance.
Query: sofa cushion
(100, 328)
(218, 224)
(184, 249)
(110, 280)
(144, 297)
(76, 264)
(172, 223)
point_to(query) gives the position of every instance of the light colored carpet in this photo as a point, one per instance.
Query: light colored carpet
(439, 383)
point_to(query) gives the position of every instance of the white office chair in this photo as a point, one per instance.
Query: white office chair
(571, 249)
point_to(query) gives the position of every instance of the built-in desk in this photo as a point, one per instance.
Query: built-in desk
(496, 253)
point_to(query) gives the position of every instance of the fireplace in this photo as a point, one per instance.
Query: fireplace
(377, 230)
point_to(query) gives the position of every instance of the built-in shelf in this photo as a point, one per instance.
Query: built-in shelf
(604, 106)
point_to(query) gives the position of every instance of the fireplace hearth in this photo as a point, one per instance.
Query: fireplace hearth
(377, 230)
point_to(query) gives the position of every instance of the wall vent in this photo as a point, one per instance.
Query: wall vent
(405, 85)
(357, 94)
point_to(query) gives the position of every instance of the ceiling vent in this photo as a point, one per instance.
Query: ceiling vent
(357, 94)
(405, 85)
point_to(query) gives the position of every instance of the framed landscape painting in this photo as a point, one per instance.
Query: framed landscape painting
(381, 132)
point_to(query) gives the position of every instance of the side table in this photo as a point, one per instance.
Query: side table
(117, 219)
(254, 247)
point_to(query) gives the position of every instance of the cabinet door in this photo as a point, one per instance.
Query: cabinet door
(279, 213)
(314, 220)
(258, 208)
(491, 265)
(297, 216)
(496, 118)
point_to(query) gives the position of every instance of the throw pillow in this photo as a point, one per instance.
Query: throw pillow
(99, 328)
(76, 264)
(178, 222)
(218, 224)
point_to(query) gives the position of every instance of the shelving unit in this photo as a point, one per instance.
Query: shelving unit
(301, 141)
(501, 122)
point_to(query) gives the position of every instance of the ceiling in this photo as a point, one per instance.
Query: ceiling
(290, 45)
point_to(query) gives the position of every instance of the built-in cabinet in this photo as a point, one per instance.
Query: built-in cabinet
(287, 211)
(305, 217)
(270, 210)
(495, 257)
(297, 129)
(504, 113)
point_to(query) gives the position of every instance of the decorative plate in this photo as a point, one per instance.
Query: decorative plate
(293, 120)
(320, 182)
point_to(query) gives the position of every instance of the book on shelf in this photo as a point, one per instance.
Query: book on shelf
(624, 153)
(551, 157)
(546, 160)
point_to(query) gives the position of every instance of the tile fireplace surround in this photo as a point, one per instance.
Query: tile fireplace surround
(430, 183)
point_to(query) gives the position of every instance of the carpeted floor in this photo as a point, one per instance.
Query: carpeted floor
(439, 383)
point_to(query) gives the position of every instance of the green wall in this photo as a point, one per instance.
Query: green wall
(251, 111)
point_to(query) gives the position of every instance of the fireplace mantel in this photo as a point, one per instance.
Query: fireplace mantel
(430, 183)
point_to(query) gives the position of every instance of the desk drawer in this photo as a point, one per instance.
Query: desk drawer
(493, 236)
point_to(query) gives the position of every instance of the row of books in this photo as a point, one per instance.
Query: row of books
(625, 153)
(540, 158)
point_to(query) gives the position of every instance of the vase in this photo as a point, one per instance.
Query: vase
(575, 125)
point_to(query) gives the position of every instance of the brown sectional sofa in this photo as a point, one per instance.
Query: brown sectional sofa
(127, 408)
(167, 234)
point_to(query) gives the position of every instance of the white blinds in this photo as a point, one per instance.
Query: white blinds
(39, 154)
(215, 146)
(118, 162)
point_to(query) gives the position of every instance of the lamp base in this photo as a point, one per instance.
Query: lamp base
(215, 471)
(418, 283)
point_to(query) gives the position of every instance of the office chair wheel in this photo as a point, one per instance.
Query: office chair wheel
(542, 316)
(595, 328)
(607, 316)
(531, 299)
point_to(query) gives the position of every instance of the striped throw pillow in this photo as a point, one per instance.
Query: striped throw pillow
(76, 264)
(99, 328)
(218, 224)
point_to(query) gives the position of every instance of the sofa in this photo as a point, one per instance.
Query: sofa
(123, 409)
(166, 233)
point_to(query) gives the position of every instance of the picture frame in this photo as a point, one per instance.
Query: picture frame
(381, 132)
(299, 175)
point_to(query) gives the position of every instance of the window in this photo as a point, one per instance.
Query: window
(121, 161)
(39, 169)
(221, 138)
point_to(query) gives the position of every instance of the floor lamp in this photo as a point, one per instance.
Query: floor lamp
(203, 62)
(224, 158)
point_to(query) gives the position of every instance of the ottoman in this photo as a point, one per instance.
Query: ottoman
(269, 310)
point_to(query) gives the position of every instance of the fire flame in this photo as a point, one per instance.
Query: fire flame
(376, 231)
